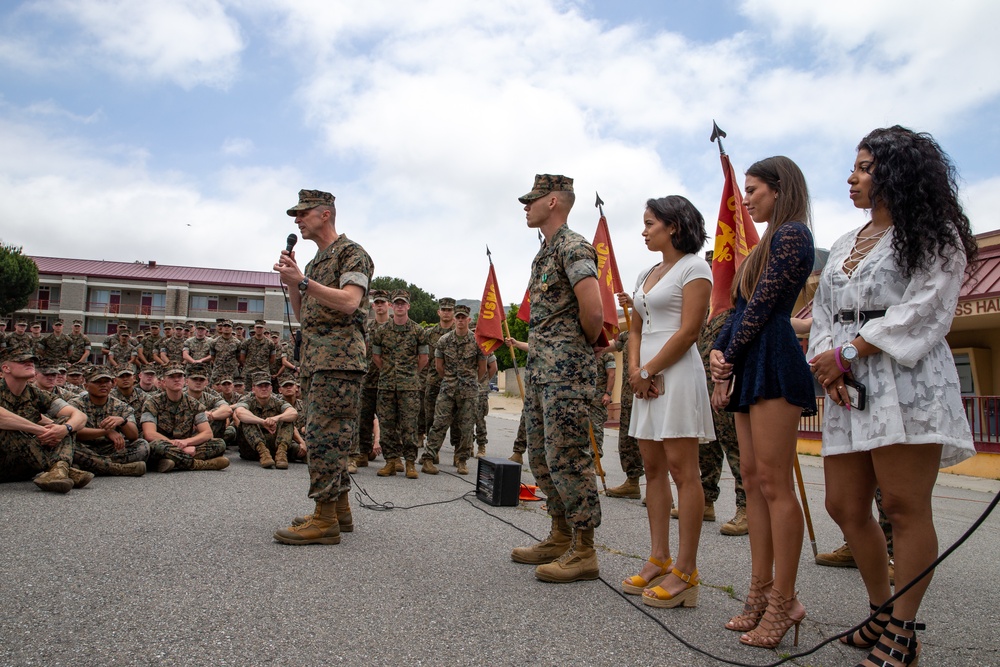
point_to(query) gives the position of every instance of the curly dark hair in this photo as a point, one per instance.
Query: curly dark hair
(916, 181)
(689, 224)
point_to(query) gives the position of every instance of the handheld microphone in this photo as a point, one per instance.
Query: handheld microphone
(290, 242)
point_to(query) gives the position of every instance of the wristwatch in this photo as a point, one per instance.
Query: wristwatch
(643, 373)
(848, 353)
(304, 285)
(69, 428)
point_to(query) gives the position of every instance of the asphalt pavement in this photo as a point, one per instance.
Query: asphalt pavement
(181, 569)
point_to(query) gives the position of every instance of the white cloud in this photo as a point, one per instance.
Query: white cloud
(238, 146)
(186, 42)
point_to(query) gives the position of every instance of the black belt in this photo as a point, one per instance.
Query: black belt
(861, 316)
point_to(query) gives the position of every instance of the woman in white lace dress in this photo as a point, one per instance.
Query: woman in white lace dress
(884, 304)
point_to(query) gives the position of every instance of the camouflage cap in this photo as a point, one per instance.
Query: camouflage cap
(260, 323)
(200, 325)
(19, 353)
(36, 323)
(58, 323)
(546, 183)
(261, 377)
(311, 199)
(124, 331)
(95, 373)
(197, 371)
(226, 323)
(21, 322)
(154, 325)
(400, 294)
(445, 303)
(122, 325)
(173, 369)
(462, 310)
(149, 368)
(286, 380)
(61, 368)
(125, 369)
(378, 295)
(75, 369)
(47, 368)
(224, 379)
(238, 382)
(168, 325)
(78, 323)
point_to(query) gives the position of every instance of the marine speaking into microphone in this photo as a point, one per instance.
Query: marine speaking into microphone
(330, 300)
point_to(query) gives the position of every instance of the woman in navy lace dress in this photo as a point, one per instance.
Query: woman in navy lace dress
(758, 359)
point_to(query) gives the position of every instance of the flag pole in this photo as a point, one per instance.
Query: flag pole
(597, 456)
(506, 332)
(717, 136)
(600, 209)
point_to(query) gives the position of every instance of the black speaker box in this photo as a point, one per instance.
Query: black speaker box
(498, 481)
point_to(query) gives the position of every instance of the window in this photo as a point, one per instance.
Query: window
(43, 298)
(255, 305)
(213, 303)
(199, 303)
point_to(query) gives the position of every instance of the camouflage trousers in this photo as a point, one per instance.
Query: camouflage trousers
(330, 400)
(598, 417)
(710, 459)
(251, 436)
(482, 410)
(559, 453)
(364, 434)
(221, 430)
(22, 456)
(454, 413)
(521, 440)
(429, 411)
(628, 447)
(164, 449)
(97, 455)
(397, 416)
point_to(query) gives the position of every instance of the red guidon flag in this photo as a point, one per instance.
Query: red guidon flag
(524, 310)
(608, 278)
(735, 237)
(489, 326)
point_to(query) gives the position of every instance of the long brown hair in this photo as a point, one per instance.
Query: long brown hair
(792, 204)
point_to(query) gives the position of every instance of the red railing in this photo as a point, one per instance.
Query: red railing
(983, 413)
(138, 310)
(43, 304)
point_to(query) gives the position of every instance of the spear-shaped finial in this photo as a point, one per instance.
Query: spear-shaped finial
(488, 255)
(599, 204)
(717, 135)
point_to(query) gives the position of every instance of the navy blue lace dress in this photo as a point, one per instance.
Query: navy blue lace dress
(759, 340)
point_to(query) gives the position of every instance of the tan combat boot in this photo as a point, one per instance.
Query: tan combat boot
(321, 528)
(737, 525)
(463, 469)
(344, 516)
(389, 469)
(281, 457)
(517, 458)
(481, 451)
(80, 478)
(428, 467)
(137, 469)
(555, 545)
(55, 479)
(577, 564)
(352, 467)
(411, 470)
(708, 514)
(218, 463)
(399, 465)
(630, 489)
(361, 461)
(265, 456)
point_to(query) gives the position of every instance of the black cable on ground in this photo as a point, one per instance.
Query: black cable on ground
(375, 506)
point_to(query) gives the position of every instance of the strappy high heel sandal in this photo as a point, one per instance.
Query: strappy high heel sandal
(636, 585)
(907, 649)
(658, 596)
(774, 623)
(867, 635)
(753, 608)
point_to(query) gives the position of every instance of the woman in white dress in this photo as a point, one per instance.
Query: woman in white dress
(884, 304)
(672, 412)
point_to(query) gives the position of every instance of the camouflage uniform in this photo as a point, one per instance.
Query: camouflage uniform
(599, 411)
(483, 407)
(54, 348)
(458, 396)
(369, 397)
(173, 349)
(199, 348)
(20, 340)
(95, 455)
(333, 364)
(561, 377)
(710, 453)
(399, 394)
(135, 401)
(251, 436)
(124, 352)
(78, 345)
(521, 439)
(628, 446)
(150, 345)
(258, 357)
(212, 400)
(432, 381)
(178, 420)
(21, 455)
(225, 357)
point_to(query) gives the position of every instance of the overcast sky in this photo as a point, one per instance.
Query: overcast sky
(180, 130)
